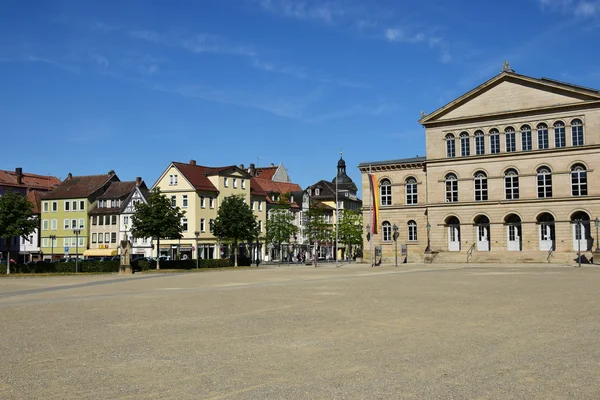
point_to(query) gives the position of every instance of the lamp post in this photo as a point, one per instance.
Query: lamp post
(395, 228)
(76, 232)
(578, 237)
(197, 249)
(597, 223)
(53, 238)
(428, 248)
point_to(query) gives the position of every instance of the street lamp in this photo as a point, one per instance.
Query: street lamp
(597, 223)
(76, 232)
(53, 238)
(428, 248)
(197, 249)
(294, 247)
(395, 228)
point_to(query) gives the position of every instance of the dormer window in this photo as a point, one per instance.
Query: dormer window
(310, 192)
(291, 198)
(317, 192)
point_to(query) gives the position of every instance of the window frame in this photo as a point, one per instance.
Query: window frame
(579, 181)
(465, 144)
(480, 186)
(544, 182)
(526, 138)
(386, 232)
(511, 184)
(560, 135)
(451, 187)
(543, 140)
(385, 192)
(494, 141)
(184, 201)
(412, 231)
(577, 132)
(450, 145)
(411, 191)
(510, 139)
(479, 143)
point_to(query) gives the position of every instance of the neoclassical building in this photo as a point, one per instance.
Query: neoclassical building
(510, 174)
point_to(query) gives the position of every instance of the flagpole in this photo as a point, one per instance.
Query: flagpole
(337, 214)
(371, 229)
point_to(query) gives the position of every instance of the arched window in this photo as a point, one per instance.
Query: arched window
(494, 141)
(481, 186)
(526, 143)
(450, 146)
(411, 191)
(577, 132)
(451, 188)
(385, 190)
(542, 136)
(412, 231)
(465, 144)
(511, 184)
(544, 182)
(510, 137)
(479, 143)
(560, 137)
(579, 180)
(386, 231)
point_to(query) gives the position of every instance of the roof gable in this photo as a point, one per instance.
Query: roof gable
(81, 186)
(509, 92)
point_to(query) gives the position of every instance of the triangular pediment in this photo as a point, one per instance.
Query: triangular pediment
(509, 93)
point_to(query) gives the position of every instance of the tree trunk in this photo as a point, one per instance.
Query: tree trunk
(8, 259)
(235, 253)
(157, 253)
(280, 253)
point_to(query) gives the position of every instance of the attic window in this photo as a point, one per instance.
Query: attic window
(291, 198)
(317, 192)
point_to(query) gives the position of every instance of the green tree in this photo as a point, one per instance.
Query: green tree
(350, 229)
(16, 219)
(280, 228)
(235, 222)
(317, 228)
(157, 219)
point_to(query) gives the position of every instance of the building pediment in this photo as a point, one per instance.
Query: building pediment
(509, 93)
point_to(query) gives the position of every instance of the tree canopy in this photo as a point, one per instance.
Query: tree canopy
(317, 227)
(16, 219)
(280, 227)
(157, 219)
(350, 229)
(235, 222)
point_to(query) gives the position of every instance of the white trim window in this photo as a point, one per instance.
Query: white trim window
(481, 186)
(211, 202)
(184, 224)
(67, 205)
(243, 184)
(494, 141)
(511, 184)
(45, 242)
(252, 205)
(451, 188)
(412, 231)
(74, 205)
(526, 141)
(184, 201)
(202, 225)
(385, 192)
(100, 238)
(510, 139)
(173, 201)
(173, 180)
(560, 136)
(579, 186)
(94, 237)
(107, 237)
(479, 143)
(577, 132)
(542, 136)
(202, 202)
(66, 224)
(53, 224)
(234, 182)
(450, 146)
(45, 205)
(386, 231)
(260, 206)
(211, 222)
(82, 223)
(544, 182)
(54, 206)
(226, 182)
(465, 144)
(411, 191)
(45, 225)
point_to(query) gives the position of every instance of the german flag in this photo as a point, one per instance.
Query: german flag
(375, 204)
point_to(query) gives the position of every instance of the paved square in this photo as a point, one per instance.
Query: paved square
(416, 332)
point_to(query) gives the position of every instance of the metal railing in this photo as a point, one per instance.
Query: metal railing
(470, 251)
(550, 252)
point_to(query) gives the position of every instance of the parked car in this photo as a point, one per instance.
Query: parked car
(3, 261)
(67, 259)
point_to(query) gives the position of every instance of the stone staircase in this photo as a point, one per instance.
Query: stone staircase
(509, 257)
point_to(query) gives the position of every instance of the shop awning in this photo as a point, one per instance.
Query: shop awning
(100, 252)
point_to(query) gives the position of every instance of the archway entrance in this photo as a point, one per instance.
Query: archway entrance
(546, 231)
(482, 224)
(513, 232)
(582, 238)
(453, 224)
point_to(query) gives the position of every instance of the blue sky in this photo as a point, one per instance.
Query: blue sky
(132, 85)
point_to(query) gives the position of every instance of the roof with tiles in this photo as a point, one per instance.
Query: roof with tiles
(35, 198)
(30, 181)
(118, 190)
(80, 186)
(197, 175)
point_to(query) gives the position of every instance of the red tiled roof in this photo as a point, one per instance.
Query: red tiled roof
(268, 186)
(196, 175)
(31, 181)
(266, 172)
(79, 186)
(117, 190)
(35, 198)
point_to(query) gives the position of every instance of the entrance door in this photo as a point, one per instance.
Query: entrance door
(546, 242)
(454, 238)
(483, 234)
(580, 235)
(514, 238)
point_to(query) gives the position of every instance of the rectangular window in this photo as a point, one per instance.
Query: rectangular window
(184, 224)
(113, 219)
(94, 237)
(94, 221)
(412, 232)
(577, 133)
(45, 225)
(125, 220)
(202, 225)
(73, 242)
(54, 206)
(243, 184)
(252, 205)
(100, 238)
(81, 223)
(44, 242)
(479, 144)
(173, 180)
(465, 145)
(260, 205)
(174, 201)
(184, 201)
(202, 202)
(494, 143)
(100, 219)
(560, 137)
(526, 142)
(113, 237)
(511, 144)
(226, 182)
(212, 202)
(106, 237)
(481, 189)
(45, 206)
(67, 205)
(81, 241)
(73, 224)
(81, 205)
(74, 205)
(260, 227)
(66, 242)
(542, 133)
(210, 224)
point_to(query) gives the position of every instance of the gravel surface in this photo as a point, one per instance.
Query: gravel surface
(414, 332)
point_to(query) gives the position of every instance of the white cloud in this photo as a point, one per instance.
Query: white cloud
(327, 12)
(578, 8)
(100, 60)
(587, 9)
(398, 35)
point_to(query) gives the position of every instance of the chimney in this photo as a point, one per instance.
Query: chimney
(111, 172)
(272, 165)
(70, 176)
(252, 170)
(192, 162)
(241, 166)
(19, 172)
(138, 181)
